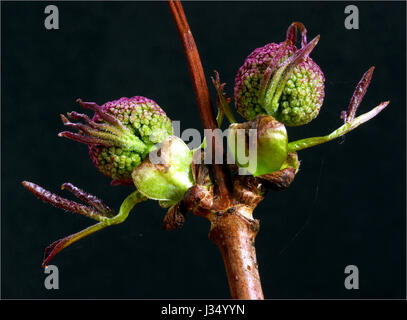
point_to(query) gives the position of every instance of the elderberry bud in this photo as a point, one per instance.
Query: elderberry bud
(260, 147)
(282, 81)
(120, 135)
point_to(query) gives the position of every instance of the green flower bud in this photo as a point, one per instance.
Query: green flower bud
(121, 134)
(259, 146)
(282, 81)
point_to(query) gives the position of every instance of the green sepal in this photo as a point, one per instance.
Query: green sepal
(291, 162)
(166, 175)
(265, 151)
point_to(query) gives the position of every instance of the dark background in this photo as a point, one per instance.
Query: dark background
(346, 205)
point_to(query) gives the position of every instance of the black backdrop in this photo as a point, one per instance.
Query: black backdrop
(346, 206)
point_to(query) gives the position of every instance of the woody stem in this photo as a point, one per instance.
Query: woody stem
(230, 230)
(201, 93)
(234, 234)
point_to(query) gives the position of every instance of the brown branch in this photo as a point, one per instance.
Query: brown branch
(233, 228)
(202, 96)
(234, 234)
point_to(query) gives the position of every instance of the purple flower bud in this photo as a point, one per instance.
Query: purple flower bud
(282, 81)
(120, 134)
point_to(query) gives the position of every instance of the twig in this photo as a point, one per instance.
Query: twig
(202, 95)
(233, 228)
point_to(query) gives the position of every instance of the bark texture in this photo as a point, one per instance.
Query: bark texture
(234, 233)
